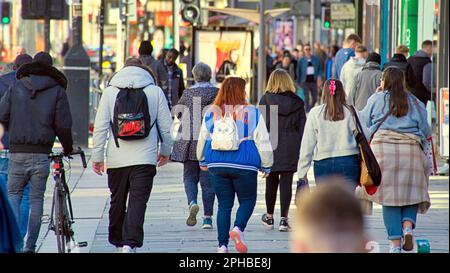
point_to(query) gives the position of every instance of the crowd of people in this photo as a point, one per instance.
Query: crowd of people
(147, 117)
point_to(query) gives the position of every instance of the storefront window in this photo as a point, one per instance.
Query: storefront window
(371, 25)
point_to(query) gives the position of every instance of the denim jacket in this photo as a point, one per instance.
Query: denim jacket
(303, 66)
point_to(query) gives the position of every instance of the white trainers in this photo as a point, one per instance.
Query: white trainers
(395, 249)
(119, 249)
(222, 249)
(408, 239)
(128, 249)
(238, 237)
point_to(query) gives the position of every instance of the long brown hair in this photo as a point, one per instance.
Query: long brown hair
(334, 100)
(231, 93)
(394, 83)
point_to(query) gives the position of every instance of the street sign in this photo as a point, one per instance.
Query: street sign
(132, 11)
(342, 12)
(56, 9)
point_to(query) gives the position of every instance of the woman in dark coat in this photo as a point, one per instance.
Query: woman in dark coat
(190, 108)
(285, 142)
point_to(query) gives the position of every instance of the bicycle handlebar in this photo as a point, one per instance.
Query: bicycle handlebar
(79, 152)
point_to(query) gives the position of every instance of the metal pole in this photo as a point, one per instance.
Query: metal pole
(312, 22)
(102, 37)
(125, 54)
(120, 50)
(262, 51)
(176, 24)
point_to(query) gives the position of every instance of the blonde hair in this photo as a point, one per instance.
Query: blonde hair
(279, 82)
(402, 49)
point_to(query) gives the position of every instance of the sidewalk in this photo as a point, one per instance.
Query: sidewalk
(166, 231)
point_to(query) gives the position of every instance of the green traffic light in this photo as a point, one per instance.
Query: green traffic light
(326, 24)
(6, 20)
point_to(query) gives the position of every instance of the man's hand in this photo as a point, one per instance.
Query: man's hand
(204, 168)
(162, 160)
(98, 167)
(264, 174)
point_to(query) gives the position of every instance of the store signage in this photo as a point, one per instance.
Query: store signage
(444, 122)
(342, 12)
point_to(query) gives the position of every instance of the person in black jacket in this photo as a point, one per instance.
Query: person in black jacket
(35, 109)
(400, 61)
(288, 136)
(5, 82)
(419, 62)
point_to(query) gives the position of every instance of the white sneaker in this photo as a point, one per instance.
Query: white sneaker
(119, 249)
(222, 249)
(395, 249)
(128, 249)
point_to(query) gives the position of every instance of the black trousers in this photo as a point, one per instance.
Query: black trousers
(126, 223)
(284, 179)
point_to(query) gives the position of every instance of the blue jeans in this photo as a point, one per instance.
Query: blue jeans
(191, 176)
(395, 216)
(349, 167)
(228, 182)
(24, 204)
(32, 169)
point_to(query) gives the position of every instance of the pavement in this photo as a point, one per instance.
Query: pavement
(166, 232)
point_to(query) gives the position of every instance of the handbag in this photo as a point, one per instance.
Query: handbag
(370, 169)
(428, 149)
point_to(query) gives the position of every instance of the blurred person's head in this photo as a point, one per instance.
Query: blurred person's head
(234, 56)
(352, 41)
(279, 82)
(172, 56)
(361, 52)
(334, 50)
(333, 96)
(43, 58)
(21, 60)
(286, 61)
(146, 48)
(427, 47)
(201, 72)
(374, 58)
(307, 50)
(231, 93)
(402, 49)
(295, 54)
(138, 63)
(393, 81)
(318, 46)
(329, 220)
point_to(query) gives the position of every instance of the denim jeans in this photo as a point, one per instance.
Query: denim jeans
(348, 167)
(395, 216)
(24, 204)
(228, 182)
(191, 176)
(32, 169)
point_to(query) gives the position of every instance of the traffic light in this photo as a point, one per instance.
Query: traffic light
(6, 13)
(191, 11)
(326, 18)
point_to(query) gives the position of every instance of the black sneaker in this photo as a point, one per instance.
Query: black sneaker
(267, 222)
(284, 225)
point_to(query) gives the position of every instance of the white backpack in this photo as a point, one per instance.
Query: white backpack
(225, 136)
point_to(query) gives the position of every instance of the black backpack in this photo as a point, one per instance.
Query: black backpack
(131, 119)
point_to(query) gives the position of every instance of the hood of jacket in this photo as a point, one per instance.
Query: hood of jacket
(421, 54)
(357, 62)
(288, 102)
(372, 66)
(399, 58)
(132, 77)
(41, 76)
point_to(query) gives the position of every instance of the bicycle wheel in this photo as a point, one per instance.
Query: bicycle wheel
(65, 222)
(59, 228)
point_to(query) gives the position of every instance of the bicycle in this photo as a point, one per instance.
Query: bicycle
(61, 216)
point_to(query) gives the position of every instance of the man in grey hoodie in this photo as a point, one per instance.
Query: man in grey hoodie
(131, 167)
(352, 68)
(366, 82)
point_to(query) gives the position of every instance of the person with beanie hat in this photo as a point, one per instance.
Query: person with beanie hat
(366, 82)
(36, 101)
(5, 82)
(145, 53)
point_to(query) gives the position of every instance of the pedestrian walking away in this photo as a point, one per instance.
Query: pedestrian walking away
(286, 139)
(187, 123)
(366, 83)
(329, 139)
(131, 162)
(6, 81)
(169, 77)
(233, 145)
(309, 73)
(419, 63)
(145, 53)
(36, 101)
(352, 68)
(398, 128)
(400, 61)
(345, 53)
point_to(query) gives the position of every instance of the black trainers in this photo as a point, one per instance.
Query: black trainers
(284, 225)
(267, 222)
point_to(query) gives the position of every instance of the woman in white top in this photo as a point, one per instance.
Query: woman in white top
(328, 139)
